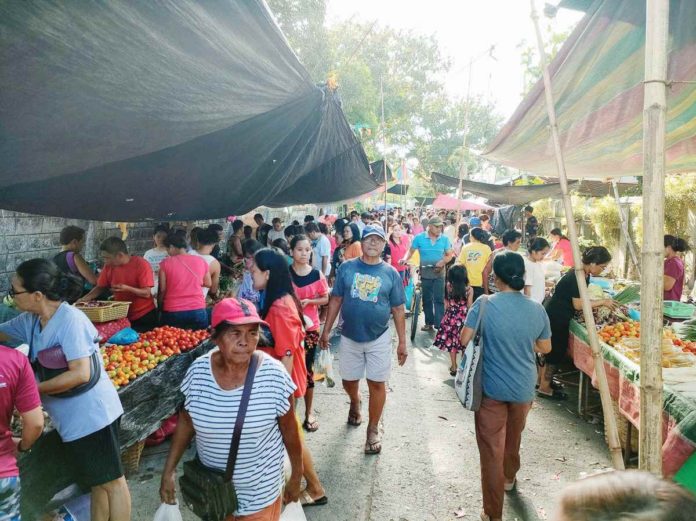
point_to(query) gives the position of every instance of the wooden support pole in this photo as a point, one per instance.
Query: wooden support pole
(609, 416)
(624, 228)
(654, 117)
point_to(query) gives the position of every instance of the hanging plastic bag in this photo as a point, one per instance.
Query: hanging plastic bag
(324, 362)
(167, 512)
(409, 293)
(293, 512)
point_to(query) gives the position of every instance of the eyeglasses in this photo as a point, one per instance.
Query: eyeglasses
(13, 293)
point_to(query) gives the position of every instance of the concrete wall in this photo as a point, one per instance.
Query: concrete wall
(24, 237)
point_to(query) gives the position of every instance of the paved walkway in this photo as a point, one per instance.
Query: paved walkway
(429, 467)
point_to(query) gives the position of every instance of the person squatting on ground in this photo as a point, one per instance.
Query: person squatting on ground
(513, 329)
(367, 292)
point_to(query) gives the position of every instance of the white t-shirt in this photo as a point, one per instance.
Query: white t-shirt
(274, 235)
(258, 473)
(154, 257)
(321, 248)
(534, 277)
(209, 259)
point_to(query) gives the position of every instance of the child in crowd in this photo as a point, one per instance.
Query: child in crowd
(461, 297)
(130, 279)
(534, 278)
(246, 289)
(277, 232)
(312, 289)
(282, 246)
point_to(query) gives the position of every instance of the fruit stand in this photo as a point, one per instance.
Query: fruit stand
(147, 374)
(622, 364)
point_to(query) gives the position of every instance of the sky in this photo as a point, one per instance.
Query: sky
(466, 29)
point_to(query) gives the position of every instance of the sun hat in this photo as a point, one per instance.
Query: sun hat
(474, 221)
(374, 229)
(235, 312)
(435, 221)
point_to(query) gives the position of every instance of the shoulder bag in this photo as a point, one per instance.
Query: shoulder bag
(209, 492)
(51, 362)
(468, 382)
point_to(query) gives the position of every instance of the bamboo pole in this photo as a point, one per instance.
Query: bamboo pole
(464, 167)
(654, 117)
(624, 228)
(609, 417)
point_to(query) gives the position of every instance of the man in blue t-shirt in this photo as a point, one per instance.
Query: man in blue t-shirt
(367, 292)
(435, 251)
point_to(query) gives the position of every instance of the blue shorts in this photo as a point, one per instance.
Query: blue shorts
(9, 499)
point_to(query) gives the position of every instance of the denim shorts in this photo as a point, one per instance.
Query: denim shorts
(9, 499)
(193, 319)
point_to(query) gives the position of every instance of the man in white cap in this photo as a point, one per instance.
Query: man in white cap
(367, 292)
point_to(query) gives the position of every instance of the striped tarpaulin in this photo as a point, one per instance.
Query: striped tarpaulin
(597, 80)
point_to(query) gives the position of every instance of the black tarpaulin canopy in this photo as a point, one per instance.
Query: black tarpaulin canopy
(398, 189)
(164, 110)
(521, 195)
(502, 194)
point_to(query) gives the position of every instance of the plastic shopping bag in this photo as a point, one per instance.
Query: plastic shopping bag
(167, 512)
(408, 290)
(324, 363)
(293, 512)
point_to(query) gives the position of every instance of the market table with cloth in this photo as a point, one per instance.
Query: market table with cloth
(147, 401)
(679, 406)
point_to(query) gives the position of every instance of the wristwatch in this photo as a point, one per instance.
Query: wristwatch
(21, 450)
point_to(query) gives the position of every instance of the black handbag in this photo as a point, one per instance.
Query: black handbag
(209, 492)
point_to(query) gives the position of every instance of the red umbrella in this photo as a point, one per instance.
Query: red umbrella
(447, 202)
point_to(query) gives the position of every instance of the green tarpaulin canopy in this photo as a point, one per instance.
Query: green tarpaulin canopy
(597, 79)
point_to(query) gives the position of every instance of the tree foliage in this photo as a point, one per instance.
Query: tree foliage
(529, 56)
(421, 120)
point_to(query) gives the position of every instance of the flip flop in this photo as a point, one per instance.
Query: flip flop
(310, 426)
(453, 372)
(509, 487)
(374, 446)
(307, 501)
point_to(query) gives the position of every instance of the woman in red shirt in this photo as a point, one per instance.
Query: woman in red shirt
(674, 267)
(181, 279)
(397, 246)
(313, 291)
(282, 310)
(562, 249)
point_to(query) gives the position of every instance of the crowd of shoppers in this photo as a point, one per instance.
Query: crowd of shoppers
(357, 269)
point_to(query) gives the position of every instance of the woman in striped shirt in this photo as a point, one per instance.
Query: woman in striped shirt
(212, 389)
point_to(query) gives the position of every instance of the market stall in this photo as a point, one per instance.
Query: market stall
(622, 364)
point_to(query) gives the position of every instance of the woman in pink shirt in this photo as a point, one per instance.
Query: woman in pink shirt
(397, 246)
(562, 249)
(181, 278)
(674, 267)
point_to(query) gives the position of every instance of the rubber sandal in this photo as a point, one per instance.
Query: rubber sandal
(453, 372)
(374, 446)
(307, 501)
(558, 396)
(427, 328)
(310, 426)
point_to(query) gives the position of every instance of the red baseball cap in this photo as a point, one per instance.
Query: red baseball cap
(235, 312)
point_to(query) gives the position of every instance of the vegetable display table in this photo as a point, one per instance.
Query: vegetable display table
(147, 401)
(679, 406)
